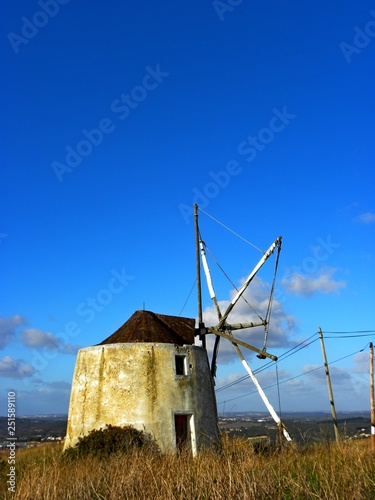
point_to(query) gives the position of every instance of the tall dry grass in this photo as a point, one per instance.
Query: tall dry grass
(324, 471)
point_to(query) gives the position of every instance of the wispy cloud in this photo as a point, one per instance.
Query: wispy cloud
(306, 285)
(9, 328)
(365, 218)
(317, 374)
(33, 337)
(12, 329)
(15, 368)
(346, 387)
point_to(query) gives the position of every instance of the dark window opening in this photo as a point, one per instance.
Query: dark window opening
(180, 365)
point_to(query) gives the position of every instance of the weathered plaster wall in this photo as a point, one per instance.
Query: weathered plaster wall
(136, 384)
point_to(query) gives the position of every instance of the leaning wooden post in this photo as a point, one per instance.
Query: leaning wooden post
(330, 392)
(372, 399)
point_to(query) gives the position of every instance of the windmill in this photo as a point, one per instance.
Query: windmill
(224, 329)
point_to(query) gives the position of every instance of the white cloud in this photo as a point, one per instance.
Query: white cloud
(307, 285)
(295, 386)
(282, 325)
(365, 218)
(339, 376)
(33, 337)
(15, 368)
(9, 327)
(361, 362)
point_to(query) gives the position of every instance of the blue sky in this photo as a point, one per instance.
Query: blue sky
(118, 117)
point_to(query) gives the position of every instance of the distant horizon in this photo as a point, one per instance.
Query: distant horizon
(324, 412)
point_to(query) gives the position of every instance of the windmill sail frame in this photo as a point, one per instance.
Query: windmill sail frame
(224, 329)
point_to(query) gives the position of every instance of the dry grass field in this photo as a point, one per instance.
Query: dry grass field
(322, 471)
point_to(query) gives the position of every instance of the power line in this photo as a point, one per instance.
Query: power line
(353, 331)
(283, 356)
(350, 336)
(293, 378)
(273, 385)
(290, 352)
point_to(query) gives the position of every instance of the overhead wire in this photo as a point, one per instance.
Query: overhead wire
(269, 308)
(283, 356)
(278, 388)
(236, 234)
(293, 378)
(295, 349)
(350, 336)
(188, 297)
(273, 385)
(270, 302)
(231, 230)
(353, 331)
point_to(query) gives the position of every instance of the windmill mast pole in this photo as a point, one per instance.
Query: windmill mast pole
(198, 270)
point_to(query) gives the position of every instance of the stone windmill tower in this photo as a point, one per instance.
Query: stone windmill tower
(148, 374)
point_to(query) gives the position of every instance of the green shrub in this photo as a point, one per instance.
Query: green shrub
(103, 442)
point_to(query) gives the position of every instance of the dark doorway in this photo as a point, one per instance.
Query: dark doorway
(182, 431)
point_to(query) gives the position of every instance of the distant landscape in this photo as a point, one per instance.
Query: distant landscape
(246, 465)
(303, 427)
